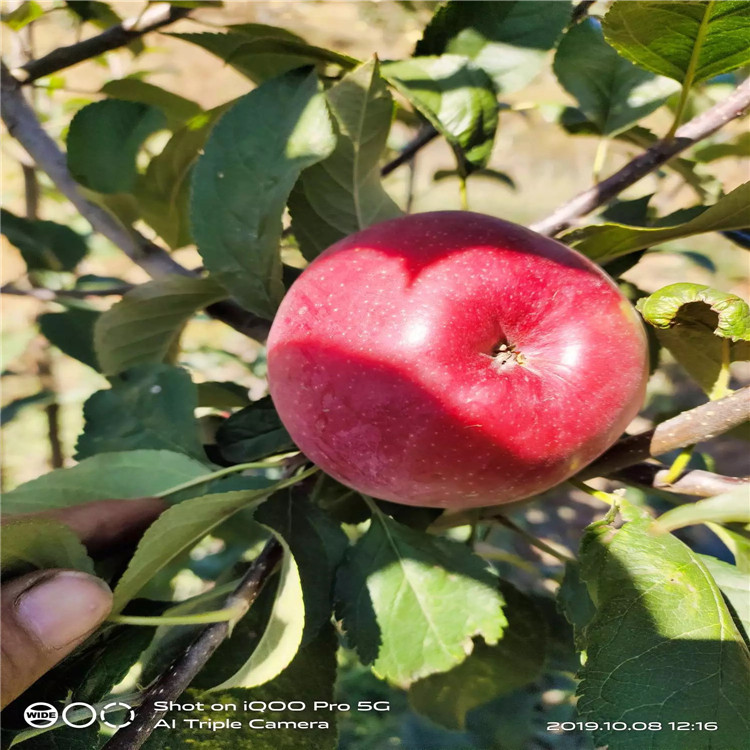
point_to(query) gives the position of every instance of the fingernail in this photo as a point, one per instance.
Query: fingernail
(63, 608)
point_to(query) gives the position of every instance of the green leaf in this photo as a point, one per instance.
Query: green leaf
(343, 193)
(633, 212)
(177, 109)
(737, 541)
(706, 38)
(109, 660)
(456, 96)
(72, 332)
(309, 678)
(264, 52)
(145, 324)
(604, 242)
(253, 433)
(339, 501)
(104, 140)
(283, 633)
(611, 91)
(163, 192)
(36, 543)
(22, 15)
(318, 545)
(662, 645)
(704, 329)
(97, 13)
(506, 39)
(181, 527)
(241, 184)
(221, 394)
(395, 575)
(489, 671)
(574, 601)
(735, 586)
(491, 174)
(727, 507)
(109, 475)
(44, 245)
(147, 407)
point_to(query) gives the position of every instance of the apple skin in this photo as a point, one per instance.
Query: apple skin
(381, 361)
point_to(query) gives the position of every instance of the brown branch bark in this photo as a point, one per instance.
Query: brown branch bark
(694, 426)
(179, 676)
(23, 124)
(155, 17)
(697, 483)
(690, 133)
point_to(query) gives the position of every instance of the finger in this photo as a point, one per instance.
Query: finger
(45, 615)
(107, 525)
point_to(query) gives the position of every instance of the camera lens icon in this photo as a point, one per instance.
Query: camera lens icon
(118, 706)
(79, 715)
(40, 715)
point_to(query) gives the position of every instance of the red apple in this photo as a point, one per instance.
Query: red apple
(453, 359)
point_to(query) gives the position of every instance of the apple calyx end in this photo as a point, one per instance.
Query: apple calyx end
(505, 354)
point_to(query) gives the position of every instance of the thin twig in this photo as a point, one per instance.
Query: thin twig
(531, 539)
(50, 295)
(48, 382)
(427, 134)
(697, 482)
(178, 677)
(23, 124)
(687, 135)
(240, 319)
(581, 11)
(45, 364)
(694, 426)
(155, 17)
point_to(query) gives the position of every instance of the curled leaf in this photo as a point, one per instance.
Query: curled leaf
(663, 309)
(704, 329)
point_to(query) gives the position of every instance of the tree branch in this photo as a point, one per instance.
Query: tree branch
(697, 483)
(154, 17)
(693, 426)
(179, 676)
(241, 320)
(23, 124)
(691, 132)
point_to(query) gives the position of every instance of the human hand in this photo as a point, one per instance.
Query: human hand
(47, 613)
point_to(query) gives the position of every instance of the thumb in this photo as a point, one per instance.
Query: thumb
(45, 615)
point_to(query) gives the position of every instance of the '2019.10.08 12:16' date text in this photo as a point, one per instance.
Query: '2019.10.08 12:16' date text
(635, 726)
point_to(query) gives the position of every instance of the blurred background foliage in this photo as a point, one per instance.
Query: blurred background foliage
(535, 164)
